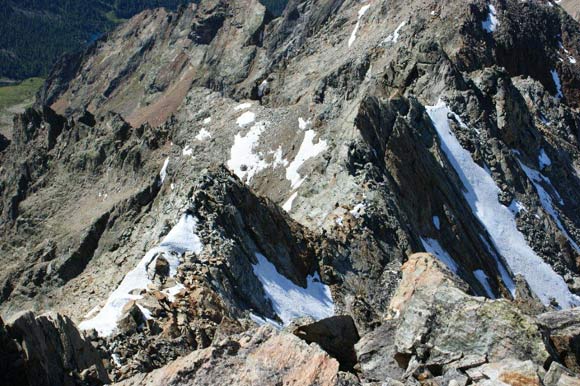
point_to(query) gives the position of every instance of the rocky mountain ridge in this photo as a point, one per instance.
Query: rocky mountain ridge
(220, 189)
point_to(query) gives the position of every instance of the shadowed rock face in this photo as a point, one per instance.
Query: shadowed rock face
(337, 141)
(336, 335)
(48, 350)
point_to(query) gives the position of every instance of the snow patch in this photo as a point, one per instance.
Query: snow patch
(207, 121)
(557, 83)
(433, 247)
(308, 149)
(187, 151)
(262, 88)
(358, 210)
(246, 118)
(278, 158)
(243, 161)
(288, 204)
(171, 292)
(303, 125)
(203, 135)
(243, 106)
(481, 193)
(289, 300)
(182, 238)
(490, 24)
(260, 321)
(543, 159)
(484, 280)
(361, 13)
(516, 207)
(163, 171)
(437, 222)
(392, 38)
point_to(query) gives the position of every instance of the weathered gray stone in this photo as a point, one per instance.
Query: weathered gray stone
(563, 332)
(49, 350)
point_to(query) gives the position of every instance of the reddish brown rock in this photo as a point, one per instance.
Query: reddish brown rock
(255, 358)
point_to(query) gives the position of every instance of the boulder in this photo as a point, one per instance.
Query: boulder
(48, 350)
(558, 375)
(436, 320)
(507, 372)
(262, 356)
(132, 318)
(563, 331)
(161, 267)
(377, 354)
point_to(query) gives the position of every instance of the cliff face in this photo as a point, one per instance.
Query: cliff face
(350, 136)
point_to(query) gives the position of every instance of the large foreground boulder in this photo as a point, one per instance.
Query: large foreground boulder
(258, 357)
(47, 350)
(437, 331)
(563, 331)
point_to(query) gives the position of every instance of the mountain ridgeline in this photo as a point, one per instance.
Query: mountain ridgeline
(340, 192)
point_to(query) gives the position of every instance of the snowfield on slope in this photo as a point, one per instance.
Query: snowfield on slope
(243, 161)
(182, 238)
(308, 149)
(289, 300)
(481, 192)
(433, 247)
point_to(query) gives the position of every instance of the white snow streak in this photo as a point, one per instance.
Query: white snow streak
(491, 23)
(358, 210)
(437, 222)
(182, 238)
(433, 247)
(278, 158)
(481, 193)
(163, 172)
(262, 88)
(392, 38)
(361, 13)
(484, 280)
(288, 204)
(557, 83)
(307, 150)
(289, 300)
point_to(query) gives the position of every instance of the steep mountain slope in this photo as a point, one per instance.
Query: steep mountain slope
(193, 174)
(33, 34)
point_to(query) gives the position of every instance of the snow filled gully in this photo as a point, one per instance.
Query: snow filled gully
(182, 238)
(289, 300)
(481, 192)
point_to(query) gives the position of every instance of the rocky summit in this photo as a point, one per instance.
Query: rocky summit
(354, 192)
